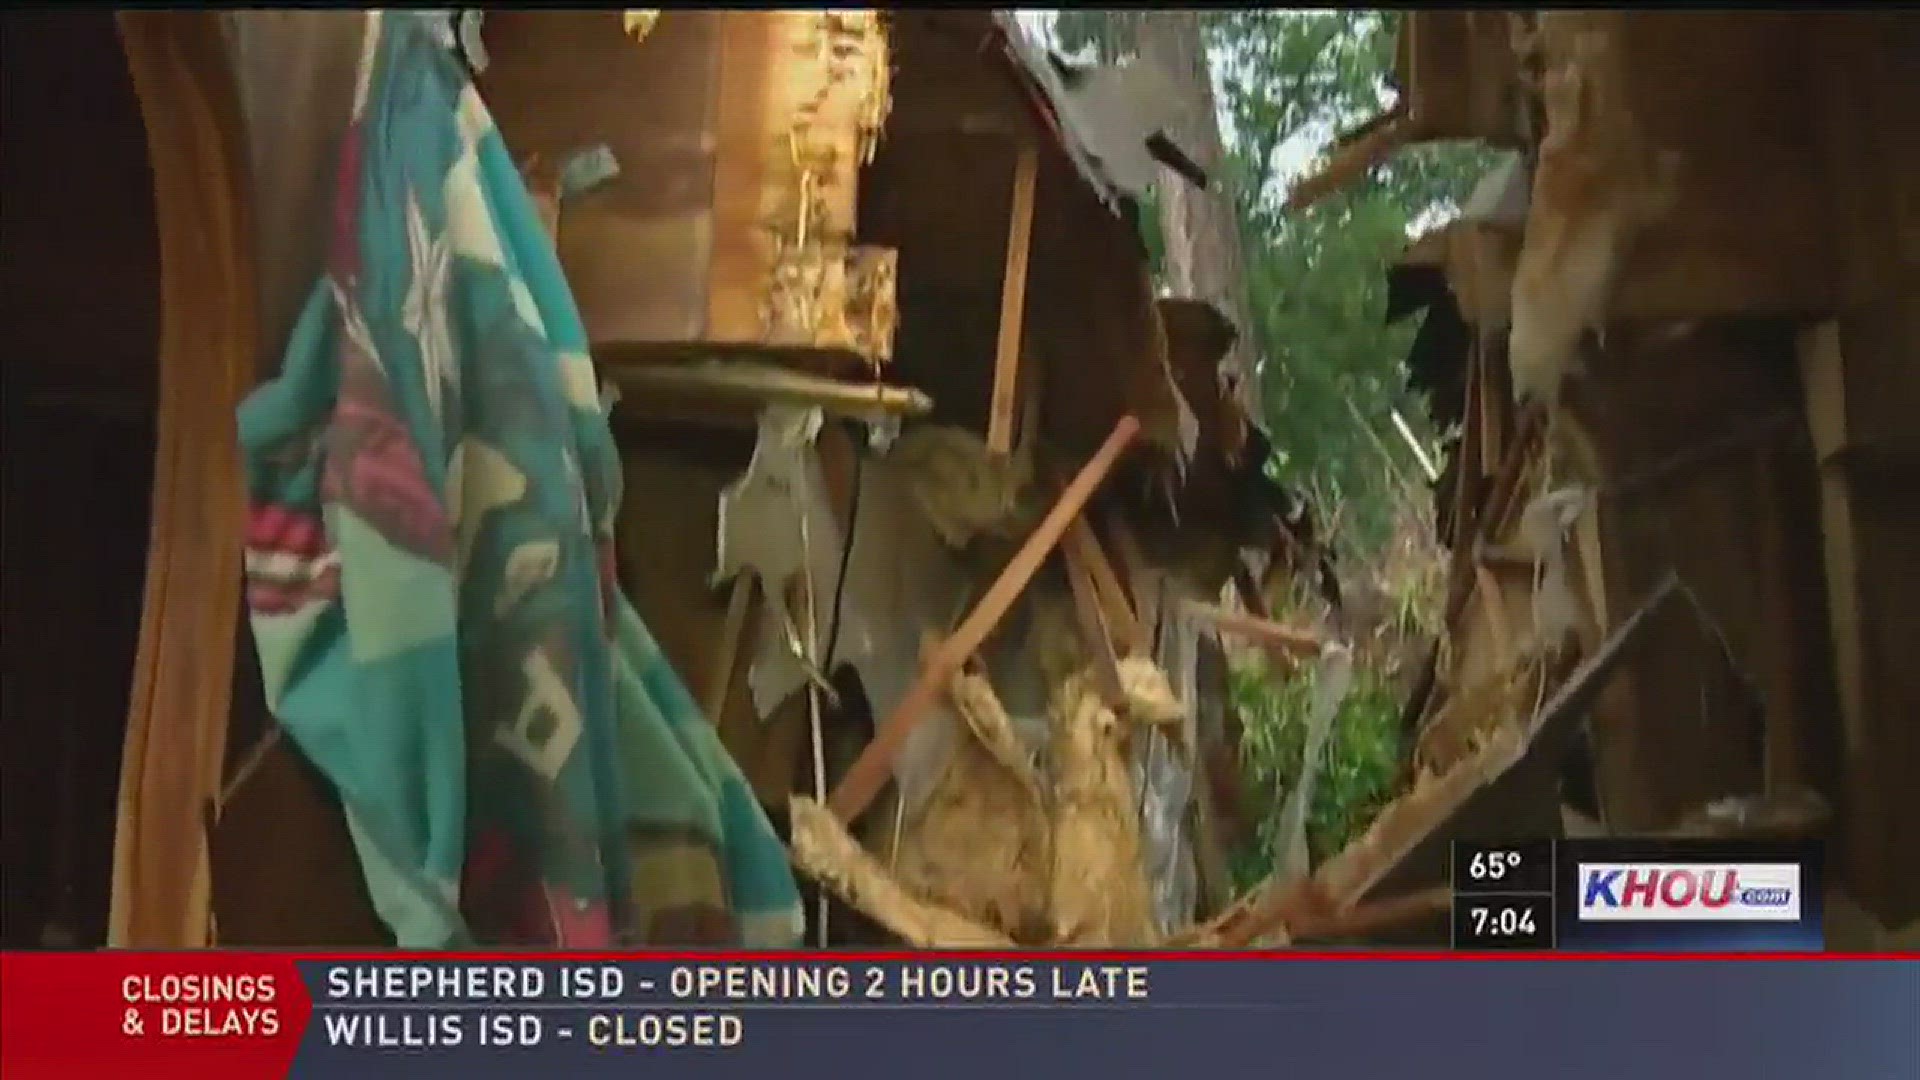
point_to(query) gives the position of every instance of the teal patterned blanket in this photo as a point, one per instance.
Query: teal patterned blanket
(430, 573)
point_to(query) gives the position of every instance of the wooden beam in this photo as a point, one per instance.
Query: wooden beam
(824, 851)
(1083, 548)
(868, 774)
(182, 684)
(1095, 630)
(1384, 135)
(1371, 916)
(1248, 590)
(1493, 400)
(1496, 601)
(744, 380)
(1264, 631)
(1849, 619)
(1503, 497)
(1134, 561)
(1013, 304)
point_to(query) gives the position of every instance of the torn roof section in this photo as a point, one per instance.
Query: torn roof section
(1105, 118)
(970, 91)
(1445, 274)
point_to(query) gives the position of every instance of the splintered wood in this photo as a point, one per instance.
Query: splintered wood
(823, 850)
(1001, 853)
(1099, 895)
(864, 779)
(978, 844)
(1595, 187)
(1277, 638)
(825, 80)
(1385, 135)
(639, 22)
(739, 137)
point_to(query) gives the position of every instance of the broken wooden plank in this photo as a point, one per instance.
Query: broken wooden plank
(181, 688)
(1140, 576)
(1098, 637)
(1468, 476)
(1496, 601)
(1248, 590)
(1427, 467)
(1013, 303)
(1487, 521)
(1082, 546)
(1505, 493)
(757, 382)
(1503, 559)
(1350, 161)
(823, 851)
(1495, 404)
(1265, 631)
(1371, 916)
(868, 774)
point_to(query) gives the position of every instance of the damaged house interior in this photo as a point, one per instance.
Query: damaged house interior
(578, 479)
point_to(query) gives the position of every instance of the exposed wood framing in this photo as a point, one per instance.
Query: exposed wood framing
(1823, 377)
(1013, 306)
(1748, 437)
(1461, 76)
(183, 673)
(868, 774)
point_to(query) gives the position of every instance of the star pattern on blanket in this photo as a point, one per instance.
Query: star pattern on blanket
(424, 313)
(431, 574)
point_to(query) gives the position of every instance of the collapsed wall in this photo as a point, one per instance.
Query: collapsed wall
(900, 569)
(1688, 311)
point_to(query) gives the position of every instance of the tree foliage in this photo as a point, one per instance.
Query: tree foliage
(1331, 372)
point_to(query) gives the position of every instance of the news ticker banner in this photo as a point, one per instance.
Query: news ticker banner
(1638, 896)
(221, 1014)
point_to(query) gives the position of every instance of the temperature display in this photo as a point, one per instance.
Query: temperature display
(1503, 868)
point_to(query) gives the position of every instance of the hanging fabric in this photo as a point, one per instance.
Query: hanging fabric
(430, 568)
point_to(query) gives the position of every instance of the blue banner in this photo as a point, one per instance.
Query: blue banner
(940, 1015)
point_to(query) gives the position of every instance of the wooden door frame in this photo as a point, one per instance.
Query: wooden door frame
(182, 684)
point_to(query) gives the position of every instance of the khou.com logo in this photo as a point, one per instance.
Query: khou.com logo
(1723, 892)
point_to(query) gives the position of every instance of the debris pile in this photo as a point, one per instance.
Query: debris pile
(969, 603)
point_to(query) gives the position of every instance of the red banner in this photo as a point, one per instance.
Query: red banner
(189, 1014)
